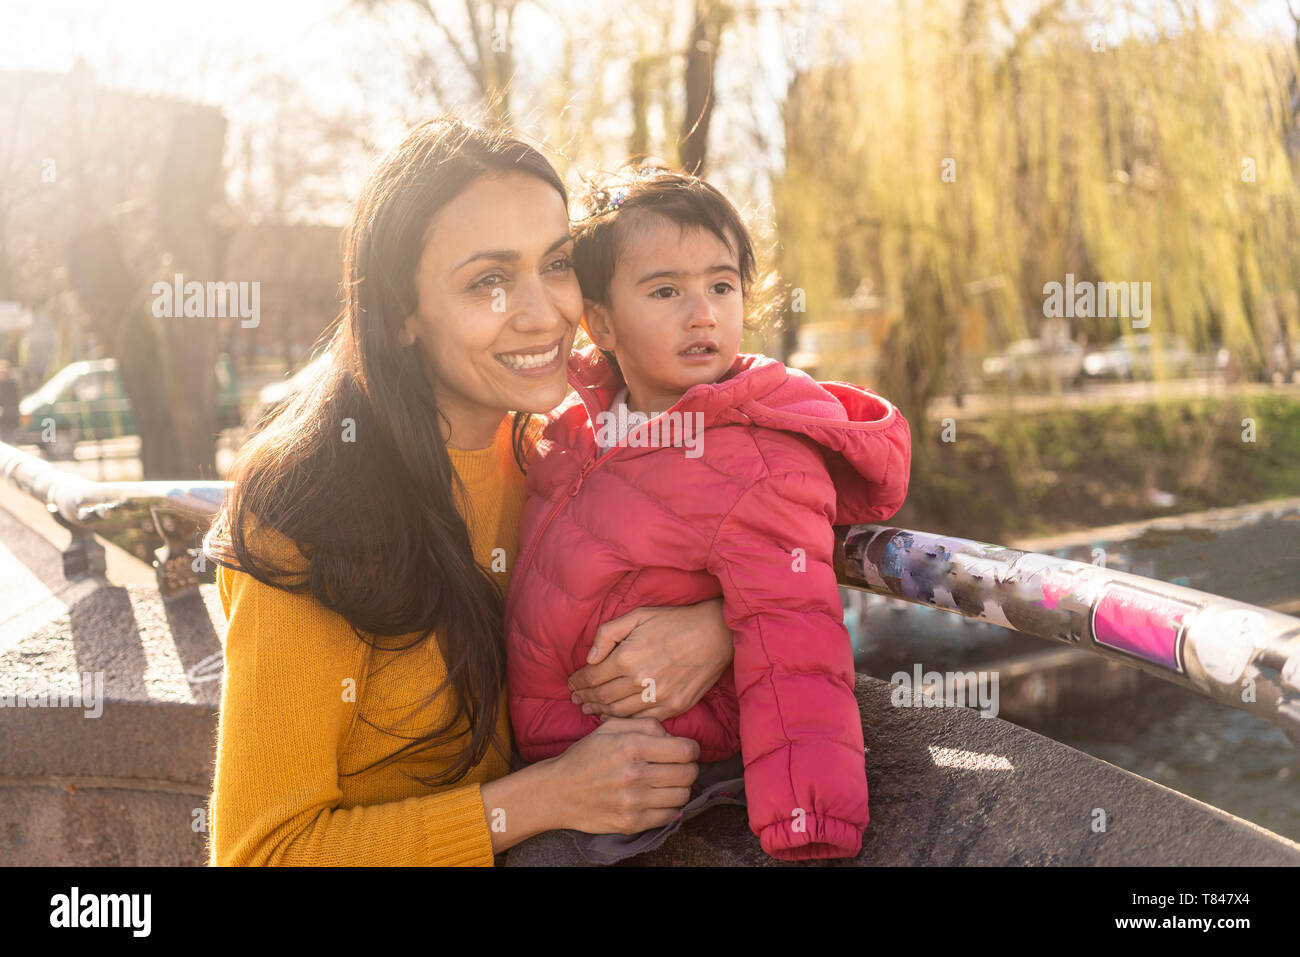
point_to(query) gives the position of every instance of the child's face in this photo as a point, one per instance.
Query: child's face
(675, 313)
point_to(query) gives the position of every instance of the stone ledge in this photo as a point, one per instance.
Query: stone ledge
(949, 787)
(46, 826)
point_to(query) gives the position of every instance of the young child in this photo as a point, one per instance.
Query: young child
(681, 470)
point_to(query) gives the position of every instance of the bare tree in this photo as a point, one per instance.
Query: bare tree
(482, 45)
(711, 17)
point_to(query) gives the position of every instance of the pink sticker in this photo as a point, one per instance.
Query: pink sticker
(1142, 623)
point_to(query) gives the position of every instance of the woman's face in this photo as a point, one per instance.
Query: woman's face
(499, 303)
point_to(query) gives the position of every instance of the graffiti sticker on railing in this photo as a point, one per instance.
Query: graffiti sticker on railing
(1142, 623)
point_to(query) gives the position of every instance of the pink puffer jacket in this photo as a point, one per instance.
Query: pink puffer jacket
(746, 514)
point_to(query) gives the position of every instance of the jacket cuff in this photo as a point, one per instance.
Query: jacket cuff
(820, 837)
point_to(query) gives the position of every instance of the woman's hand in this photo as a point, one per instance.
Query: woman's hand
(625, 777)
(654, 662)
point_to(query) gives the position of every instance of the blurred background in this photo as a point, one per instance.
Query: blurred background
(1064, 237)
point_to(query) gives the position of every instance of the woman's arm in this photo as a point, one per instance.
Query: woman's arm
(685, 649)
(287, 707)
(292, 680)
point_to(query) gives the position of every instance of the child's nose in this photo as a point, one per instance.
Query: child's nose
(701, 312)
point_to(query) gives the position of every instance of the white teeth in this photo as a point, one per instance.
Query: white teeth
(516, 361)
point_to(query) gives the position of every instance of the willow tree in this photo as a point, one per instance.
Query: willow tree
(960, 161)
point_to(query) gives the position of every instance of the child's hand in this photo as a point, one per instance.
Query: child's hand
(654, 662)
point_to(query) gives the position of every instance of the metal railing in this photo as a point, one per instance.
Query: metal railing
(172, 510)
(1239, 654)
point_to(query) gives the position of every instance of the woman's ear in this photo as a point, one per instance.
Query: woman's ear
(595, 319)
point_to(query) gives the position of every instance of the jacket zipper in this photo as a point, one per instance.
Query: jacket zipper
(586, 470)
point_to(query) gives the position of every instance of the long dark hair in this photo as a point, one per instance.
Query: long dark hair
(375, 518)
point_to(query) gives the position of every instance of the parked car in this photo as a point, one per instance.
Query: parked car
(274, 395)
(85, 400)
(1035, 362)
(1136, 357)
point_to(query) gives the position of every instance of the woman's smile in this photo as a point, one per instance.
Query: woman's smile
(538, 361)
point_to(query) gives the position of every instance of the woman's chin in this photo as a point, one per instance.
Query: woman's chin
(541, 396)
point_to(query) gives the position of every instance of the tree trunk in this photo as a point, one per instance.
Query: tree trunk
(120, 318)
(638, 144)
(189, 190)
(701, 56)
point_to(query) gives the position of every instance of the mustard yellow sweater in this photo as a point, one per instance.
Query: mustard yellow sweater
(298, 681)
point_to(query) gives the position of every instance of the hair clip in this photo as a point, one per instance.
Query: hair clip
(608, 199)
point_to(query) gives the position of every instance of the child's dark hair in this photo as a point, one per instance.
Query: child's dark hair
(614, 205)
(606, 223)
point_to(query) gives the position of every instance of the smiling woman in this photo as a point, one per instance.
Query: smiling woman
(493, 328)
(367, 541)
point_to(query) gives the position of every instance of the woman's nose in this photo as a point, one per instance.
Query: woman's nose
(533, 307)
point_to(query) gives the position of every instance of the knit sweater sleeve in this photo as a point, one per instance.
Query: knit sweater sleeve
(285, 716)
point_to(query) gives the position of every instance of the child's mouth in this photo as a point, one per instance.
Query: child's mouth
(701, 350)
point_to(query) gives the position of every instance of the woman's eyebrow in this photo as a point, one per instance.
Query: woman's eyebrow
(678, 273)
(509, 255)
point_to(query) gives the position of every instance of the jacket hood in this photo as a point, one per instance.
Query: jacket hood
(864, 439)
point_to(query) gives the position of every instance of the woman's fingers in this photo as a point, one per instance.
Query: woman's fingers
(638, 725)
(671, 777)
(673, 798)
(668, 749)
(627, 776)
(633, 704)
(606, 693)
(593, 676)
(610, 633)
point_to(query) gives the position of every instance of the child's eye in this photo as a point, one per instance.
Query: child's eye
(723, 287)
(663, 289)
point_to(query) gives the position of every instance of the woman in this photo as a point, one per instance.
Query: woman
(368, 538)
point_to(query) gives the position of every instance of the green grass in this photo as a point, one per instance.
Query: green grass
(1051, 472)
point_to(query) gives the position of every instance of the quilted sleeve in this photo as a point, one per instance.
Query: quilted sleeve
(543, 718)
(800, 727)
(546, 722)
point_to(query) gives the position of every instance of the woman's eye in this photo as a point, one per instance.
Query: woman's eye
(496, 279)
(563, 264)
